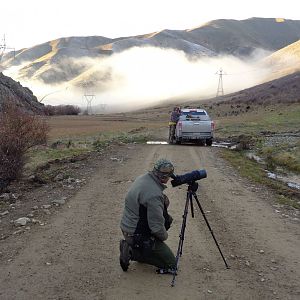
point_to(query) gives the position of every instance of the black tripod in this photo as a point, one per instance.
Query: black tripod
(192, 188)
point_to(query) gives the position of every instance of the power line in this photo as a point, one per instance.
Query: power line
(250, 71)
(54, 92)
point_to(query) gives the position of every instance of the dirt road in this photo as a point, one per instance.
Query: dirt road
(75, 256)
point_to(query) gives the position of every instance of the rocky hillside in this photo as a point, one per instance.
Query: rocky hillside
(285, 90)
(13, 92)
(66, 59)
(281, 91)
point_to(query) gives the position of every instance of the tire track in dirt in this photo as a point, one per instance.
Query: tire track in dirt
(201, 267)
(241, 221)
(248, 224)
(80, 243)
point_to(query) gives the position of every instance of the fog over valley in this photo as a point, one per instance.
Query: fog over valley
(142, 76)
(128, 73)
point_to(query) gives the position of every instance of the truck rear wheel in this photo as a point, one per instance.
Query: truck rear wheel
(208, 142)
(200, 142)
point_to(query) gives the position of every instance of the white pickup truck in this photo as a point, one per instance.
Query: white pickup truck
(194, 125)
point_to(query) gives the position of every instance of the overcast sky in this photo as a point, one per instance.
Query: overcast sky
(26, 23)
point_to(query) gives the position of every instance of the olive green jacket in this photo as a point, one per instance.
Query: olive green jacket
(146, 190)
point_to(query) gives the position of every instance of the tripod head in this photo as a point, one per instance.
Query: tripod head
(193, 187)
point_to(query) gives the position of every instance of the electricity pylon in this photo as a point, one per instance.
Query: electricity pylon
(220, 90)
(89, 97)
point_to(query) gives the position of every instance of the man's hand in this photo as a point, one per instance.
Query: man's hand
(166, 201)
(168, 221)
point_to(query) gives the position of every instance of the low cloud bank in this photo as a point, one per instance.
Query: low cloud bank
(140, 77)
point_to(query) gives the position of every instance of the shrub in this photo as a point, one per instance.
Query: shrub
(61, 110)
(19, 131)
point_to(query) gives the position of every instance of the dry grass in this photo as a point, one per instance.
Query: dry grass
(81, 134)
(273, 118)
(73, 127)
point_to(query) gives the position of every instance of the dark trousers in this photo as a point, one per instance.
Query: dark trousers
(160, 255)
(172, 131)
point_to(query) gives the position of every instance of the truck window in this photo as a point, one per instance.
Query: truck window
(194, 113)
(194, 116)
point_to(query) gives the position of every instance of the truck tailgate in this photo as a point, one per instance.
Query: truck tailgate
(196, 126)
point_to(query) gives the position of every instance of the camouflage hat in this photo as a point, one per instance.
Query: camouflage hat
(163, 167)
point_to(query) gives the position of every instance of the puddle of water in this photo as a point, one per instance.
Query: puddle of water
(157, 143)
(294, 185)
(272, 175)
(255, 157)
(292, 181)
(222, 145)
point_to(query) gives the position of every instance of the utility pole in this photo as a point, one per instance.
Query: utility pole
(220, 90)
(103, 106)
(3, 47)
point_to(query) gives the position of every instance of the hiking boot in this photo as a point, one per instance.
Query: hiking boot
(125, 255)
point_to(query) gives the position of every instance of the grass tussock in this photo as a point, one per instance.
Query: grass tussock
(38, 156)
(286, 156)
(275, 119)
(255, 173)
(126, 138)
(63, 149)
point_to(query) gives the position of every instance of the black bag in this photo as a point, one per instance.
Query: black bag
(168, 218)
(144, 244)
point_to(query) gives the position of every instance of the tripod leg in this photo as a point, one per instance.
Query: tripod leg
(182, 232)
(181, 237)
(199, 205)
(191, 202)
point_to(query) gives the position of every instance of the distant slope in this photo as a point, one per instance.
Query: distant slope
(241, 38)
(284, 90)
(163, 39)
(84, 45)
(66, 59)
(58, 60)
(284, 61)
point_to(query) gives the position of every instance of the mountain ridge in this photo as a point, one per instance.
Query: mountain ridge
(68, 60)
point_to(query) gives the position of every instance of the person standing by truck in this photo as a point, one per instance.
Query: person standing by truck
(174, 118)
